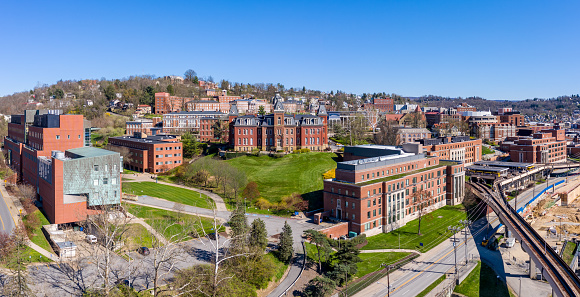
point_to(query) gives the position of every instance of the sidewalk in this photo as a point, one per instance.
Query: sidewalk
(141, 222)
(391, 251)
(14, 212)
(144, 177)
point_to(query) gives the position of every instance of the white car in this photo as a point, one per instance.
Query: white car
(91, 239)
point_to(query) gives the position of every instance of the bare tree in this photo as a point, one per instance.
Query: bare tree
(373, 117)
(166, 252)
(125, 152)
(421, 200)
(388, 134)
(109, 225)
(220, 251)
(16, 258)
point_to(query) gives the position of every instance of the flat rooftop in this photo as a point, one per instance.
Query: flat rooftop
(88, 152)
(487, 168)
(148, 139)
(504, 164)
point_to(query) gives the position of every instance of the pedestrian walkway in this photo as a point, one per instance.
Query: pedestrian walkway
(42, 251)
(391, 251)
(141, 222)
(145, 177)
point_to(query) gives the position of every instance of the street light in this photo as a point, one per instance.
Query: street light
(389, 267)
(465, 223)
(454, 229)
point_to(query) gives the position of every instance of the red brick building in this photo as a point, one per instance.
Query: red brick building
(546, 146)
(278, 131)
(463, 107)
(373, 187)
(153, 154)
(382, 104)
(37, 133)
(457, 148)
(165, 103)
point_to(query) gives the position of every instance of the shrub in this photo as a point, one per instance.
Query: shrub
(330, 174)
(262, 203)
(31, 223)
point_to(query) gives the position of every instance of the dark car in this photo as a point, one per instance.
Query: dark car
(143, 250)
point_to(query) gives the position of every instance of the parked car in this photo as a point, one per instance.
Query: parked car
(143, 250)
(91, 239)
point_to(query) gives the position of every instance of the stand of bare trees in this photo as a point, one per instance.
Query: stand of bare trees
(388, 134)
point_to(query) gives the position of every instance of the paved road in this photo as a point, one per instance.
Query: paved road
(6, 221)
(414, 277)
(60, 279)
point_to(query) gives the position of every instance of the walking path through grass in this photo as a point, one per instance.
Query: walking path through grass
(145, 177)
(433, 228)
(172, 193)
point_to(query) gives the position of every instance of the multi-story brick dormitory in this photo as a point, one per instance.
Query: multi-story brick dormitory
(373, 189)
(456, 148)
(546, 146)
(278, 131)
(154, 154)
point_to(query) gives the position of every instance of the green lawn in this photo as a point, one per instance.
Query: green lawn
(433, 228)
(486, 151)
(482, 281)
(38, 237)
(175, 194)
(371, 262)
(568, 253)
(36, 256)
(137, 236)
(431, 286)
(170, 223)
(294, 173)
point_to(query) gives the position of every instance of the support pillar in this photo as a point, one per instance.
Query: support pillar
(532, 269)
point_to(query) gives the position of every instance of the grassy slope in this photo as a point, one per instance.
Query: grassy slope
(166, 192)
(482, 282)
(433, 229)
(138, 236)
(568, 253)
(281, 267)
(279, 177)
(39, 237)
(159, 219)
(372, 261)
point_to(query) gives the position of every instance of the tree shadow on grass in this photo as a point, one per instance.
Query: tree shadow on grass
(314, 199)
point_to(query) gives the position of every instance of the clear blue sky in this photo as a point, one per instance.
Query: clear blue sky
(493, 49)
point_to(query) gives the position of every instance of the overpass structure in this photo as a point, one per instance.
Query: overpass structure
(563, 280)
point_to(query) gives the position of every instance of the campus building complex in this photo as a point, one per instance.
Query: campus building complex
(154, 154)
(52, 152)
(546, 146)
(374, 186)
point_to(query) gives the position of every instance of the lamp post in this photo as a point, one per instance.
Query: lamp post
(465, 223)
(454, 229)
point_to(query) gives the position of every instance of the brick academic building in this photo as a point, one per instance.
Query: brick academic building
(150, 153)
(373, 187)
(546, 146)
(278, 131)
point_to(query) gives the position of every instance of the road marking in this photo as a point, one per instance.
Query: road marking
(3, 228)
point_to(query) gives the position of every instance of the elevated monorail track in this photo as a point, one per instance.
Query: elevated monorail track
(563, 280)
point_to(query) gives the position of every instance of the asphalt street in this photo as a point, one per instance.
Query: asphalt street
(6, 221)
(416, 276)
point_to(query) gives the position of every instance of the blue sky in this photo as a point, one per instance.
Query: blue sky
(493, 49)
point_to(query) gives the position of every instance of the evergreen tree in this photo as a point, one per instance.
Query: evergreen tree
(286, 242)
(258, 234)
(170, 90)
(346, 257)
(239, 224)
(261, 110)
(320, 287)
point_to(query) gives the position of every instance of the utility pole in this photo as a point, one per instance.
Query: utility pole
(465, 223)
(389, 267)
(561, 230)
(454, 229)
